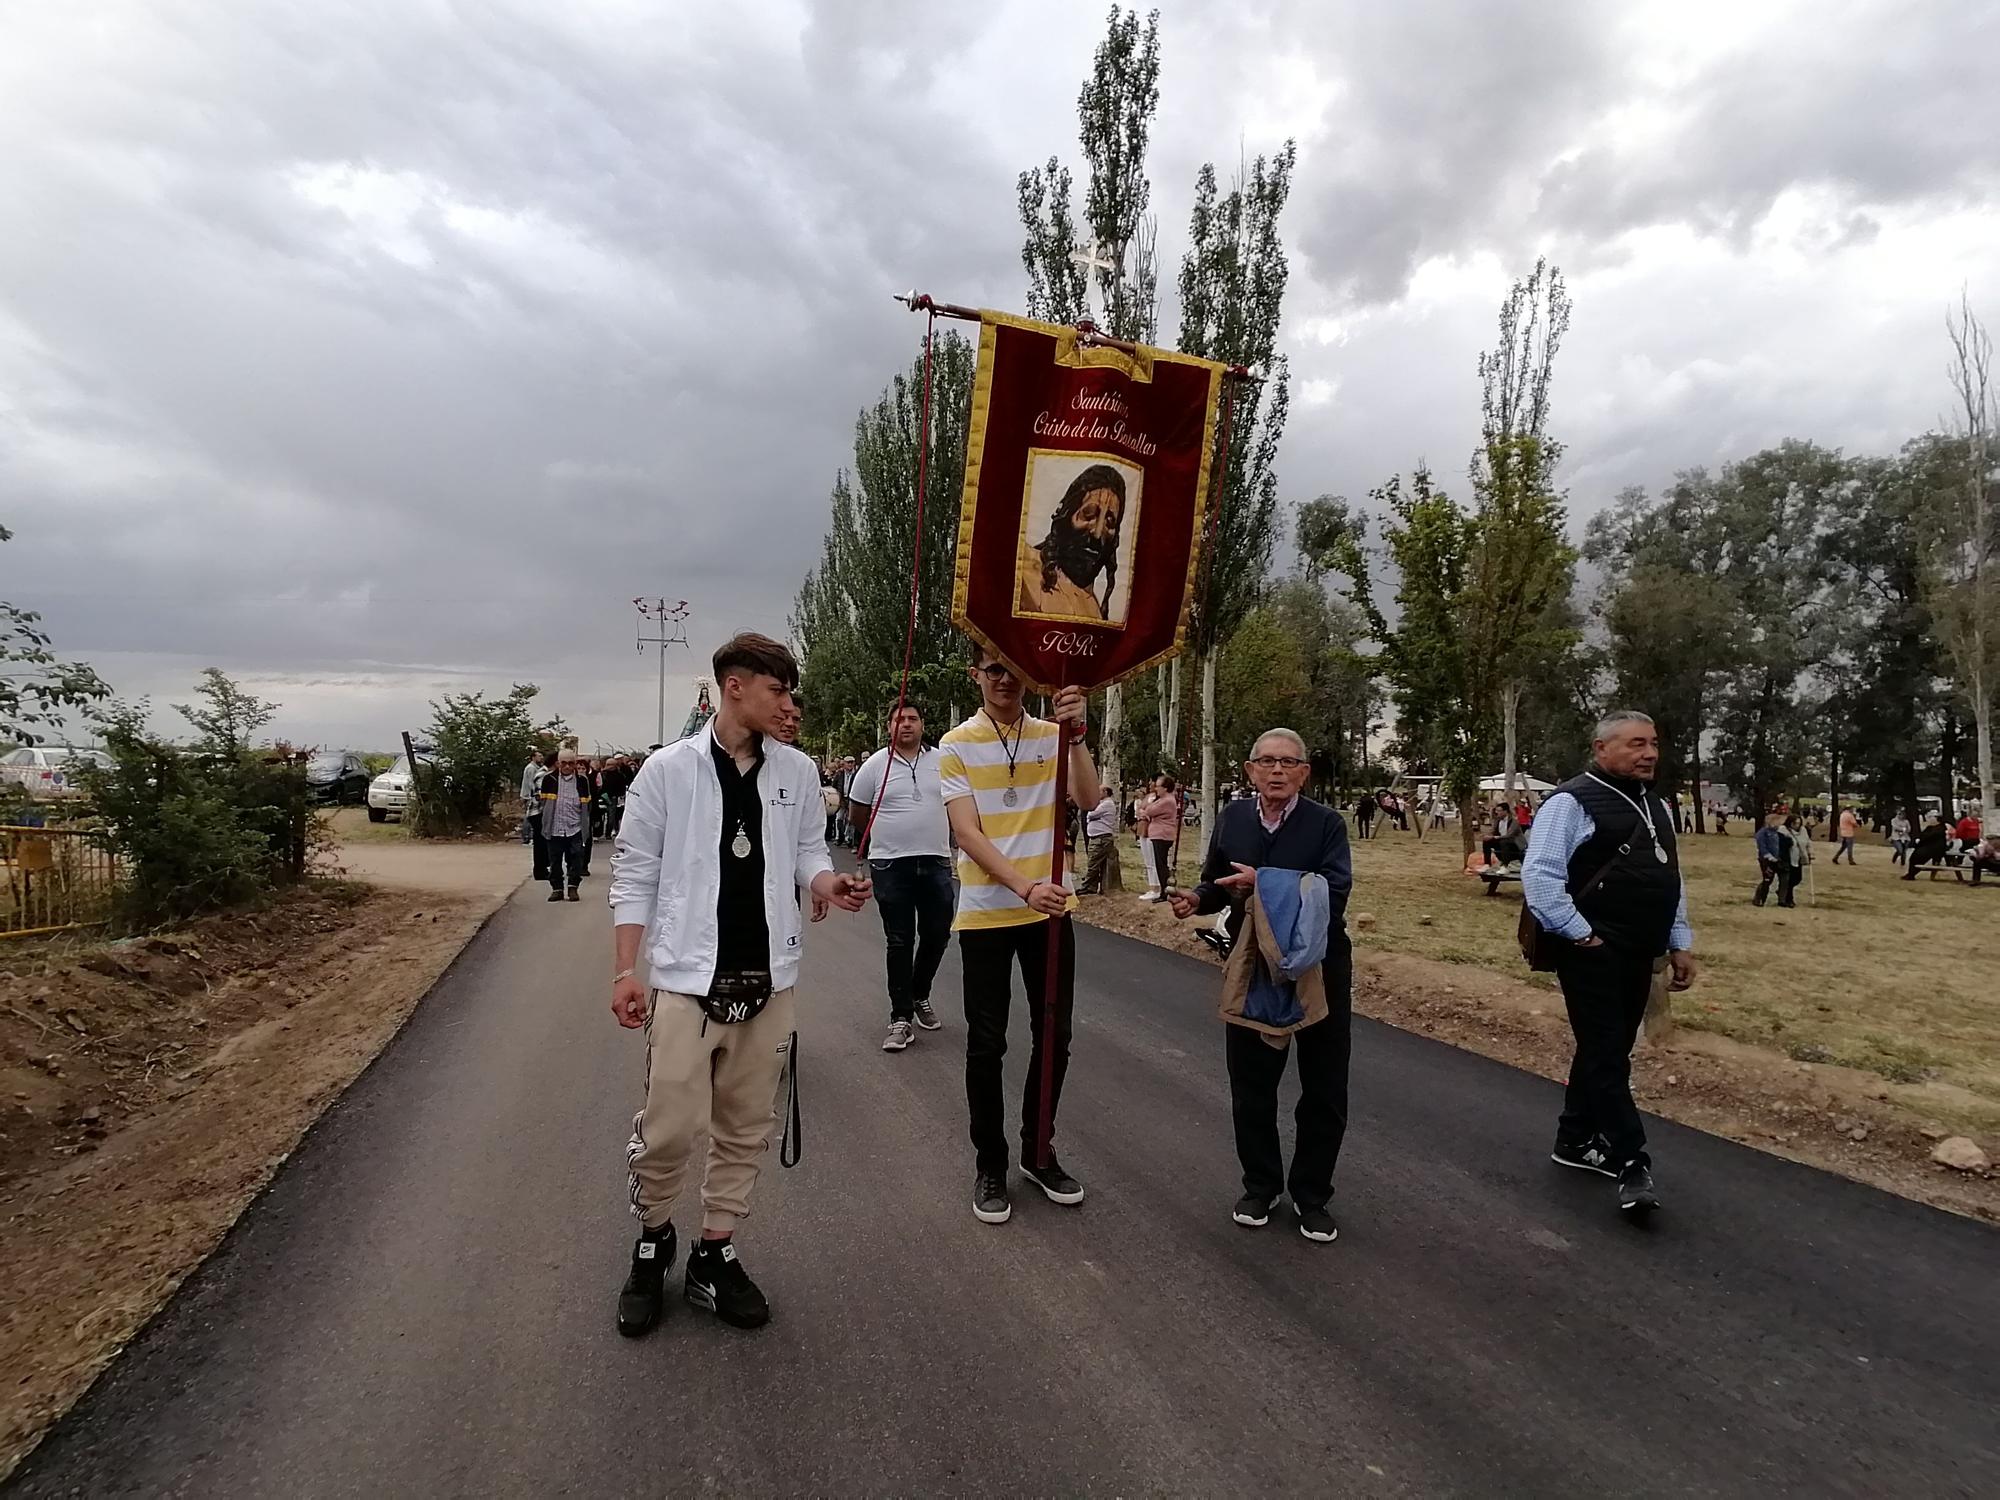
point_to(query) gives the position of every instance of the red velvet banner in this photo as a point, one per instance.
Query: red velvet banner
(1086, 495)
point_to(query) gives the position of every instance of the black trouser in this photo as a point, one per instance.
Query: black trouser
(1605, 990)
(1255, 1070)
(1767, 872)
(915, 898)
(988, 956)
(1789, 878)
(1365, 826)
(541, 846)
(1159, 853)
(566, 856)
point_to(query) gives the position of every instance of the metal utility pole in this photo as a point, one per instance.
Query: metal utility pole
(670, 624)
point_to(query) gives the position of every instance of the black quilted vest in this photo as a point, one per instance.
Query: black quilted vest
(1632, 908)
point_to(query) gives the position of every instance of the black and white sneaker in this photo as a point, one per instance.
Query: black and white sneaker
(1317, 1224)
(1636, 1197)
(640, 1299)
(989, 1199)
(717, 1281)
(1254, 1212)
(899, 1036)
(1053, 1180)
(1592, 1156)
(927, 1017)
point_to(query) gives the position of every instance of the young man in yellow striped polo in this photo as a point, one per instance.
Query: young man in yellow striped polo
(997, 773)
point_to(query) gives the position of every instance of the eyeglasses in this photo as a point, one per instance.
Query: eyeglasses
(1277, 762)
(995, 670)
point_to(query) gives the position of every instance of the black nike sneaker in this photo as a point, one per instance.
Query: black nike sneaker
(640, 1299)
(717, 1281)
(1253, 1210)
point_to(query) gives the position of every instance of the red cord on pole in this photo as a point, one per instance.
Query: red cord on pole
(1207, 566)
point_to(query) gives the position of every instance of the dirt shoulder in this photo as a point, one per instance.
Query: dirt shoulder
(1840, 1119)
(149, 1088)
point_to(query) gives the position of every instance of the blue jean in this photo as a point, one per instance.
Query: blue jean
(915, 898)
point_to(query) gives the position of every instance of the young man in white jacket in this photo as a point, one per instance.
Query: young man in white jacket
(721, 830)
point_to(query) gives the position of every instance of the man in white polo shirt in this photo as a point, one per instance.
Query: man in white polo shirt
(997, 773)
(908, 850)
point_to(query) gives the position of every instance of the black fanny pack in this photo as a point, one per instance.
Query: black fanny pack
(735, 998)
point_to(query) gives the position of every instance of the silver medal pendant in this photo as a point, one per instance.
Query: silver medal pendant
(1659, 853)
(740, 845)
(1010, 796)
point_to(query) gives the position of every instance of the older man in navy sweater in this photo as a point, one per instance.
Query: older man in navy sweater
(1284, 830)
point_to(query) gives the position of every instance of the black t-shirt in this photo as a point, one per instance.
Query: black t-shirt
(743, 937)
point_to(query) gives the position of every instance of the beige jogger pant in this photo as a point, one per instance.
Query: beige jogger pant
(704, 1075)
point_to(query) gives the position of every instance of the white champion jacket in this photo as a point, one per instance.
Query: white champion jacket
(666, 873)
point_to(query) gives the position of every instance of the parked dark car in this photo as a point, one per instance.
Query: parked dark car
(337, 778)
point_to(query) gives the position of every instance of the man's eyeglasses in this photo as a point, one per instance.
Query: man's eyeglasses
(995, 670)
(1277, 762)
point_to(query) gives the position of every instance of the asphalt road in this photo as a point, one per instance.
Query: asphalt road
(422, 1302)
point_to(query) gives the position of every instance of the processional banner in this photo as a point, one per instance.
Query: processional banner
(1086, 497)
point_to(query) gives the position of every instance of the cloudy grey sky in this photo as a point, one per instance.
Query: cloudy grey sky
(370, 349)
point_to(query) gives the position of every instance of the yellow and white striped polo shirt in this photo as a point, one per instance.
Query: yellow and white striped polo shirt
(972, 762)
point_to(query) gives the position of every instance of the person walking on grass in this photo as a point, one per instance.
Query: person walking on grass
(997, 772)
(1159, 821)
(1773, 852)
(1850, 829)
(908, 850)
(565, 799)
(1798, 848)
(1261, 848)
(1100, 833)
(1899, 839)
(1364, 815)
(1603, 875)
(721, 831)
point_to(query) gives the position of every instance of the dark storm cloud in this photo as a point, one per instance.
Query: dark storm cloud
(377, 348)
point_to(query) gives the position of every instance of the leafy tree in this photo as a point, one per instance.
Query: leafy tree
(480, 744)
(852, 611)
(1516, 614)
(1962, 542)
(1115, 110)
(1429, 544)
(227, 717)
(35, 687)
(1232, 286)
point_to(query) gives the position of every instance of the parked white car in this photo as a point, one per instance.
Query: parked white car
(390, 792)
(49, 770)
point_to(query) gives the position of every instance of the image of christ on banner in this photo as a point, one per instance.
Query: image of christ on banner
(1079, 527)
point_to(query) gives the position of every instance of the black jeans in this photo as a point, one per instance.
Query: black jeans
(566, 856)
(1256, 1068)
(1605, 990)
(988, 956)
(541, 846)
(915, 898)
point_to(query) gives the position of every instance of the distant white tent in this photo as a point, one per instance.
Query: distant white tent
(1522, 782)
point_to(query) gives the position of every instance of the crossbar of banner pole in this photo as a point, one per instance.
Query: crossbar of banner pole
(922, 302)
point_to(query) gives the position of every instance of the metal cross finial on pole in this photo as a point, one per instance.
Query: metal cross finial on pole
(670, 624)
(1092, 258)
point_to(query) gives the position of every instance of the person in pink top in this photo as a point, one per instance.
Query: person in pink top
(1159, 821)
(1850, 828)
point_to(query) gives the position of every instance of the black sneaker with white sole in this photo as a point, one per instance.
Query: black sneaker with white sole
(1636, 1197)
(1252, 1211)
(927, 1016)
(1317, 1224)
(1592, 1156)
(641, 1299)
(1053, 1180)
(989, 1199)
(717, 1281)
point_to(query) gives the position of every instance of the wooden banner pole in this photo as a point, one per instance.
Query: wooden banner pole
(1045, 1119)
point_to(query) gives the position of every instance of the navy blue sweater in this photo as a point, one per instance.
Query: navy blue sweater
(1313, 838)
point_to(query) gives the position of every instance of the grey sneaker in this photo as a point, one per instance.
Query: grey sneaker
(927, 1017)
(899, 1037)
